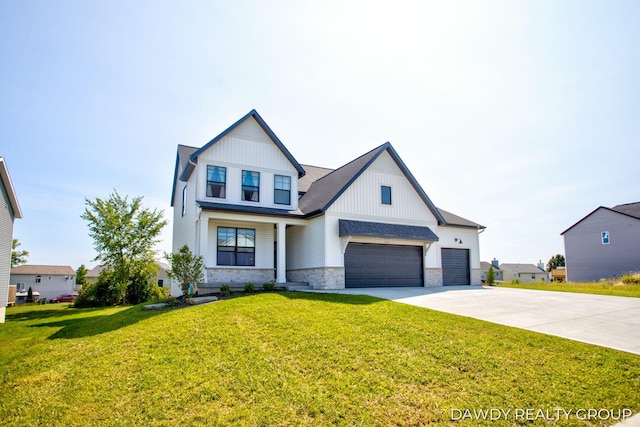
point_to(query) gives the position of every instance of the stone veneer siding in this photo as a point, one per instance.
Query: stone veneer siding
(433, 277)
(319, 278)
(240, 275)
(476, 276)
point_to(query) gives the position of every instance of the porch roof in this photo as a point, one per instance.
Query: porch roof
(389, 231)
(224, 207)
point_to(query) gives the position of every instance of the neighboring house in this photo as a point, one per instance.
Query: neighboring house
(498, 274)
(162, 278)
(49, 280)
(244, 203)
(525, 273)
(603, 244)
(9, 211)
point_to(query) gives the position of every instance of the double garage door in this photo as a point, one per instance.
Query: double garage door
(370, 265)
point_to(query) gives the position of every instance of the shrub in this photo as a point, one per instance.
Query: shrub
(268, 286)
(249, 287)
(86, 297)
(140, 289)
(515, 282)
(631, 279)
(490, 276)
(225, 289)
(108, 290)
(30, 299)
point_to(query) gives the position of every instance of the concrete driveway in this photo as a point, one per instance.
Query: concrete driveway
(595, 319)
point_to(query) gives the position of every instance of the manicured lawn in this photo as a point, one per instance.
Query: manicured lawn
(601, 288)
(294, 359)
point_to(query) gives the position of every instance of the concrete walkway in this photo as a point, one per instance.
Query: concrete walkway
(595, 319)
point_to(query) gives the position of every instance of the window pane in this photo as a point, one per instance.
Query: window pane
(282, 182)
(226, 236)
(246, 238)
(246, 258)
(226, 258)
(386, 195)
(216, 181)
(282, 197)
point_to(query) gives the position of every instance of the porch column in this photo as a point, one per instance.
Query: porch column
(203, 243)
(281, 268)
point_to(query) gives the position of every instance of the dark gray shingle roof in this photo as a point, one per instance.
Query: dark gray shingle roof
(390, 231)
(313, 174)
(632, 209)
(453, 219)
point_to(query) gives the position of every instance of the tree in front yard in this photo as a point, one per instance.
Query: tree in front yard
(555, 262)
(81, 274)
(124, 234)
(186, 268)
(17, 257)
(490, 276)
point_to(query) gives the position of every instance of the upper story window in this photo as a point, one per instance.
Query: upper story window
(38, 279)
(216, 182)
(251, 186)
(385, 193)
(184, 201)
(282, 190)
(605, 238)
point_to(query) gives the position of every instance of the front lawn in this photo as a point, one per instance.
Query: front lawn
(613, 288)
(296, 359)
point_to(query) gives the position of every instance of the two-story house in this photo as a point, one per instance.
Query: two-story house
(48, 280)
(9, 211)
(255, 214)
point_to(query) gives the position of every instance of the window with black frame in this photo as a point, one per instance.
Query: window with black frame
(216, 182)
(236, 246)
(282, 190)
(251, 186)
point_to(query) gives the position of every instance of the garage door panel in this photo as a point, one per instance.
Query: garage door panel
(369, 265)
(455, 267)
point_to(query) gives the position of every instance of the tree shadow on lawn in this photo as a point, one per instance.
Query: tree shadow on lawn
(44, 314)
(99, 324)
(352, 299)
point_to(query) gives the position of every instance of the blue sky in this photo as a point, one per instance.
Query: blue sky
(521, 116)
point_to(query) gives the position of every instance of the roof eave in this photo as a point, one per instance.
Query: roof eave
(8, 185)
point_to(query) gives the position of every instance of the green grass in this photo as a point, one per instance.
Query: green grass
(293, 359)
(612, 288)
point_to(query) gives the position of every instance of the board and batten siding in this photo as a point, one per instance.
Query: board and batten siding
(363, 197)
(264, 242)
(184, 227)
(6, 238)
(588, 259)
(305, 245)
(247, 147)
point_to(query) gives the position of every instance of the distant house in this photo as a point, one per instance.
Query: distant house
(525, 273)
(9, 211)
(244, 203)
(603, 244)
(49, 280)
(498, 274)
(162, 278)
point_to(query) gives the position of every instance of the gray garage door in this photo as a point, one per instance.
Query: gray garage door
(369, 265)
(455, 267)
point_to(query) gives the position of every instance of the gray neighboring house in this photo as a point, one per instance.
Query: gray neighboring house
(603, 244)
(49, 280)
(9, 211)
(498, 274)
(525, 273)
(162, 277)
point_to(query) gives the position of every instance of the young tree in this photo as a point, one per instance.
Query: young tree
(30, 298)
(81, 274)
(17, 257)
(124, 234)
(555, 262)
(491, 276)
(186, 268)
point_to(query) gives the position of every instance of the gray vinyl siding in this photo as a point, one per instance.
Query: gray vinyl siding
(6, 236)
(589, 260)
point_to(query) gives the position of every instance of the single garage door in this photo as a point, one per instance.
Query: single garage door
(369, 265)
(455, 267)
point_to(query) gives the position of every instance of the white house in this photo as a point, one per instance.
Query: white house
(49, 280)
(525, 273)
(9, 211)
(254, 213)
(162, 278)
